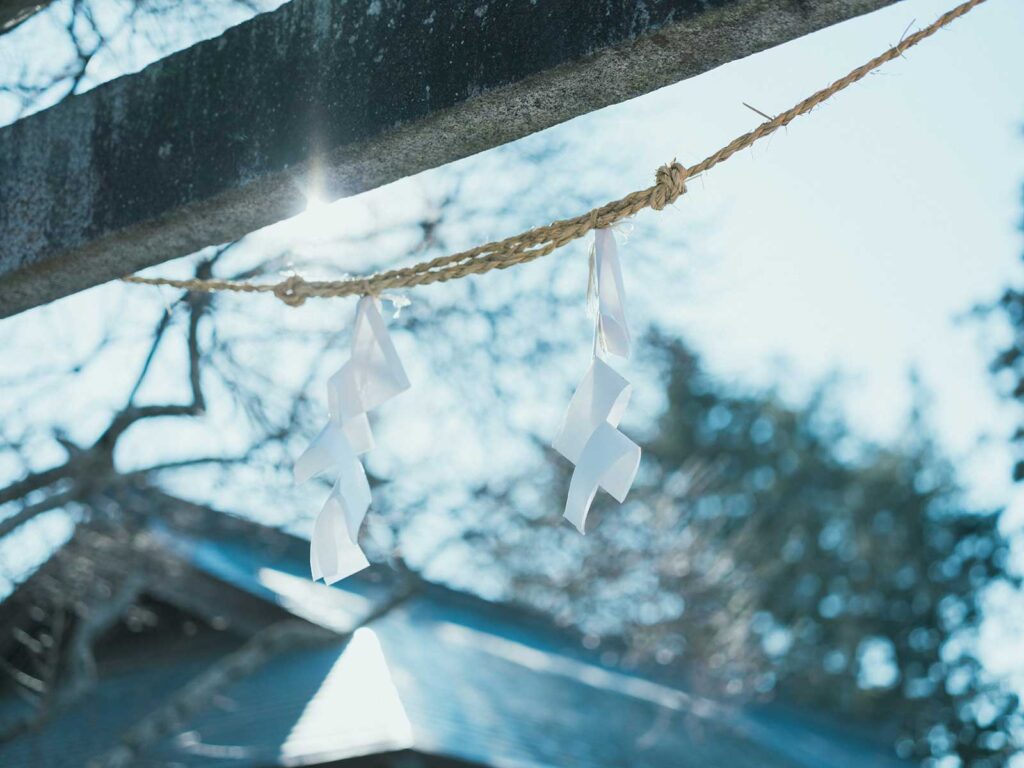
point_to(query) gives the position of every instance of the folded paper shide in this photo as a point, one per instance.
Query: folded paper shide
(589, 436)
(371, 377)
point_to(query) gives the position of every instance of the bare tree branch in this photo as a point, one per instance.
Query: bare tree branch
(57, 500)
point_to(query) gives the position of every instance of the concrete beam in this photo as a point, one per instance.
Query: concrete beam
(215, 141)
(14, 12)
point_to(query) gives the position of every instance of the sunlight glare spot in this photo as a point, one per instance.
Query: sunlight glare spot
(318, 219)
(356, 711)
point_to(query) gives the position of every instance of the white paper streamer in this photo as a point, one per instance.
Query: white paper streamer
(589, 438)
(604, 457)
(372, 376)
(612, 328)
(333, 551)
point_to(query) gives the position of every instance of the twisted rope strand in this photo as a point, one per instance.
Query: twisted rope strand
(669, 185)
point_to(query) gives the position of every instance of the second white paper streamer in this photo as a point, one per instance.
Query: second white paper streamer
(372, 376)
(589, 436)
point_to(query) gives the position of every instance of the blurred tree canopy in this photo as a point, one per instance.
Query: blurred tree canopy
(1009, 364)
(765, 552)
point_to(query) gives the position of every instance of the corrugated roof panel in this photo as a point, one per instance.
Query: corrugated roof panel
(303, 708)
(443, 673)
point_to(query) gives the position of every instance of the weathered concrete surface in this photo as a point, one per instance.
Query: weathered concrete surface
(13, 12)
(209, 144)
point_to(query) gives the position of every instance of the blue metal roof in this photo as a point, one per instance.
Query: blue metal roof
(443, 674)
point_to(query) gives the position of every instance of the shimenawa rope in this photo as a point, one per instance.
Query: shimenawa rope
(669, 185)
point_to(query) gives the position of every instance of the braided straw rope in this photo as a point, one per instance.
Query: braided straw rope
(669, 185)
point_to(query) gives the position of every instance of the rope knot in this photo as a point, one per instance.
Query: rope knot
(291, 291)
(669, 184)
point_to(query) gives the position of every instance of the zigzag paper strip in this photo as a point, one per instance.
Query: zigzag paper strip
(372, 376)
(589, 437)
(612, 328)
